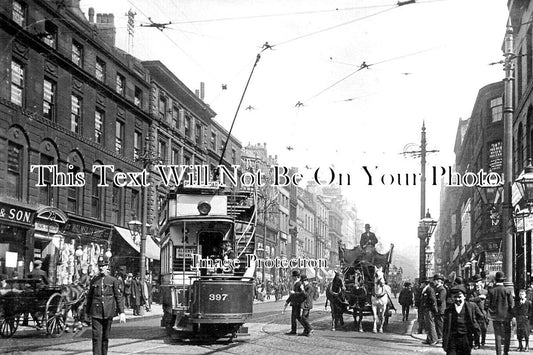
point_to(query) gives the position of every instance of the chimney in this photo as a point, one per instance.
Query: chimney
(74, 7)
(105, 24)
(202, 90)
(197, 92)
(91, 15)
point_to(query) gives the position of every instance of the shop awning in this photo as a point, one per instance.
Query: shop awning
(152, 249)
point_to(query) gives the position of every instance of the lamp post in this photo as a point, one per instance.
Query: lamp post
(147, 159)
(426, 228)
(507, 223)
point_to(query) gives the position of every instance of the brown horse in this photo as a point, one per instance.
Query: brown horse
(338, 307)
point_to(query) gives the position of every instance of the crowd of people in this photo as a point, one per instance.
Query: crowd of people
(278, 289)
(458, 312)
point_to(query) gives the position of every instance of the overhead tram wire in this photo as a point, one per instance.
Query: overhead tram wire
(362, 66)
(175, 44)
(280, 14)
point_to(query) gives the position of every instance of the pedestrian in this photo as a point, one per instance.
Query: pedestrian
(127, 290)
(296, 298)
(147, 292)
(501, 304)
(522, 311)
(307, 305)
(420, 312)
(479, 297)
(460, 323)
(440, 295)
(104, 301)
(406, 300)
(136, 295)
(428, 304)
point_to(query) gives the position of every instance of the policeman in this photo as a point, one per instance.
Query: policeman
(103, 301)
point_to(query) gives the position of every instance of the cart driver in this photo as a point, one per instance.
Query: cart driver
(368, 243)
(38, 273)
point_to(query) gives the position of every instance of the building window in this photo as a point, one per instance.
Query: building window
(17, 83)
(213, 141)
(116, 210)
(162, 107)
(137, 145)
(75, 114)
(496, 109)
(49, 97)
(73, 193)
(120, 84)
(99, 117)
(50, 34)
(19, 12)
(138, 98)
(119, 137)
(162, 151)
(96, 207)
(187, 126)
(175, 157)
(186, 160)
(14, 170)
(175, 117)
(100, 70)
(46, 196)
(233, 156)
(135, 203)
(198, 134)
(77, 54)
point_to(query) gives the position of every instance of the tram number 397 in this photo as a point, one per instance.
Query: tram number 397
(218, 296)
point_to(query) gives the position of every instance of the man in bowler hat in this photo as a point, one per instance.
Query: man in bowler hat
(104, 300)
(460, 323)
(501, 303)
(440, 295)
(428, 305)
(479, 297)
(295, 299)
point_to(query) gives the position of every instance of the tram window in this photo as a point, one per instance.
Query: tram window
(211, 242)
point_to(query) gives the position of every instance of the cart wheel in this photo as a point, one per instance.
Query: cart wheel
(9, 325)
(55, 315)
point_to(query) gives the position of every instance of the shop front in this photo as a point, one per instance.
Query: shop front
(16, 234)
(127, 256)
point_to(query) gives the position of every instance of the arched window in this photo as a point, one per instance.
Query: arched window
(48, 156)
(75, 170)
(520, 148)
(17, 162)
(97, 194)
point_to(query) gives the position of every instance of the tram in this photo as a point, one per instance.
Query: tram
(205, 294)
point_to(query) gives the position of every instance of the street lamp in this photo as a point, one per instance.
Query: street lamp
(525, 186)
(426, 228)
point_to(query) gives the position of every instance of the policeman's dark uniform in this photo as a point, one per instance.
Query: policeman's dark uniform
(104, 301)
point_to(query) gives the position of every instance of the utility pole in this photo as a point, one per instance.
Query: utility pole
(422, 154)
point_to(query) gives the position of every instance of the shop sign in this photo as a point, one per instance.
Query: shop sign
(521, 220)
(87, 230)
(16, 214)
(46, 226)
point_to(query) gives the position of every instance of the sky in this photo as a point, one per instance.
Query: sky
(427, 61)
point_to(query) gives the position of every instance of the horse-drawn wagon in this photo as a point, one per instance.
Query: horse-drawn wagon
(366, 292)
(47, 305)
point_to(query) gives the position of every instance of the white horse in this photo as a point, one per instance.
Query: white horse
(380, 299)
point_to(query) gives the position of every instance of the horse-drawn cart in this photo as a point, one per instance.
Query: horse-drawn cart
(46, 305)
(366, 290)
